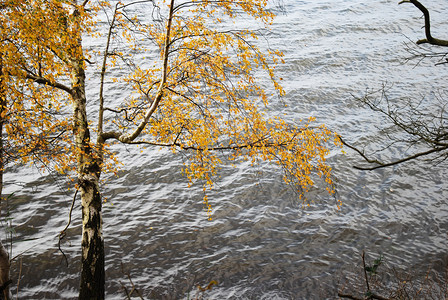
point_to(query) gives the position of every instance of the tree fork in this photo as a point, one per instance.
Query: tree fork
(89, 171)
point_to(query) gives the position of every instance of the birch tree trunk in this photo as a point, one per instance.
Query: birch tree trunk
(89, 170)
(92, 273)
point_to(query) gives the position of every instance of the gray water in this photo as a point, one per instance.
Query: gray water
(261, 243)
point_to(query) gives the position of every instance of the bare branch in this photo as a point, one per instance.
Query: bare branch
(429, 38)
(103, 72)
(419, 127)
(425, 153)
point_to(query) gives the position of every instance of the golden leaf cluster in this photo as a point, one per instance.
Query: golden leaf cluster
(193, 77)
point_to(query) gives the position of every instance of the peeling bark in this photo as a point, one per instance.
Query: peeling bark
(89, 171)
(92, 273)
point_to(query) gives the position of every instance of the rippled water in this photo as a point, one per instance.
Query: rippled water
(261, 244)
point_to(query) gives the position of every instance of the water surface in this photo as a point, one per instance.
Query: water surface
(261, 243)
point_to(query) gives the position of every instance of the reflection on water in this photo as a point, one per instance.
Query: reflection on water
(261, 244)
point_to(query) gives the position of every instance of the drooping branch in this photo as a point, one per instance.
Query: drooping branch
(429, 38)
(396, 162)
(419, 127)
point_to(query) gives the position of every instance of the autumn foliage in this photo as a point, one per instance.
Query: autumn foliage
(211, 98)
(192, 80)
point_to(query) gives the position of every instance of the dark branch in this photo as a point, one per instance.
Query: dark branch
(347, 296)
(429, 38)
(369, 294)
(44, 81)
(422, 127)
(396, 162)
(431, 151)
(372, 296)
(365, 271)
(372, 161)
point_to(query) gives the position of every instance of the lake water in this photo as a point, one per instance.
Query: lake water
(261, 243)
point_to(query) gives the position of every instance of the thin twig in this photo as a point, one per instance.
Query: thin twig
(365, 272)
(18, 279)
(134, 289)
(70, 214)
(348, 296)
(63, 232)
